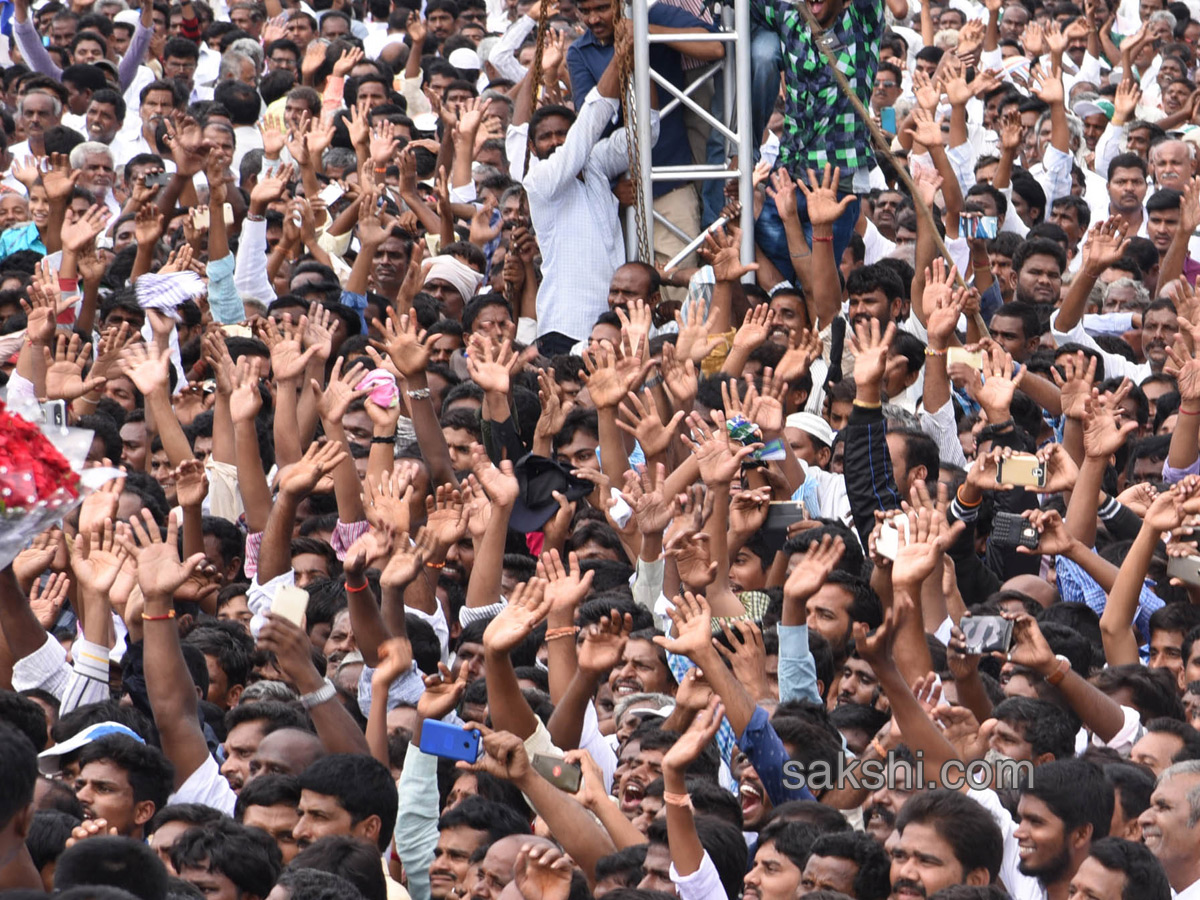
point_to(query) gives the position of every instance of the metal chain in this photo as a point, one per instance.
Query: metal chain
(538, 46)
(633, 146)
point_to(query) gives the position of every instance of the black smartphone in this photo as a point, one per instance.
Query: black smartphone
(987, 634)
(780, 516)
(1010, 530)
(563, 775)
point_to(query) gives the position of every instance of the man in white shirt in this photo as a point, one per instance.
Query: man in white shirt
(1171, 827)
(574, 210)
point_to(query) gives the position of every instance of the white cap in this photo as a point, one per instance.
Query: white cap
(812, 425)
(465, 58)
(50, 761)
(129, 16)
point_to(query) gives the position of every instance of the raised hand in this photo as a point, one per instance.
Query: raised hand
(814, 568)
(1075, 384)
(783, 192)
(1102, 436)
(927, 129)
(527, 608)
(79, 233)
(1105, 244)
(489, 363)
(96, 558)
(700, 734)
(1053, 537)
(442, 693)
(691, 632)
(405, 342)
(920, 549)
(644, 493)
(748, 658)
(147, 367)
(387, 501)
(564, 590)
(446, 516)
(602, 643)
(542, 873)
(821, 196)
(159, 571)
(302, 478)
(639, 417)
(996, 393)
(726, 255)
(610, 376)
(191, 484)
(871, 348)
(500, 482)
(334, 401)
(64, 369)
(719, 460)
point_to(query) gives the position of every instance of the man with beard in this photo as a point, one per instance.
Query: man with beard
(875, 292)
(1067, 805)
(245, 727)
(884, 211)
(389, 264)
(945, 839)
(1037, 271)
(1127, 190)
(1117, 868)
(1171, 827)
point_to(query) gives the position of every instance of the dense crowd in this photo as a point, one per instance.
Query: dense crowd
(445, 554)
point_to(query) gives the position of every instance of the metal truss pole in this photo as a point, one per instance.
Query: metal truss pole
(734, 127)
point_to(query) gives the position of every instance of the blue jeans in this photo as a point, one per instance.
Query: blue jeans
(772, 239)
(766, 62)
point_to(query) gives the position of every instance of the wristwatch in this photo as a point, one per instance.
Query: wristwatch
(323, 694)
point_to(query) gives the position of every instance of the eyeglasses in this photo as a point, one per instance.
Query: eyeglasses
(886, 84)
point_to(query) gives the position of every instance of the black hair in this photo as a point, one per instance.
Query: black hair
(1127, 161)
(866, 279)
(1046, 726)
(1076, 791)
(1040, 247)
(362, 785)
(119, 862)
(194, 814)
(480, 814)
(791, 838)
(872, 881)
(267, 790)
(625, 864)
(961, 822)
(724, 844)
(227, 643)
(150, 773)
(274, 715)
(1145, 878)
(25, 716)
(47, 836)
(348, 857)
(246, 856)
(314, 884)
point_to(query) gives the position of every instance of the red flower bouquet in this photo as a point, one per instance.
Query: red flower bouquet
(37, 483)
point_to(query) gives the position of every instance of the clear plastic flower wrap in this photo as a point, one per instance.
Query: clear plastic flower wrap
(39, 485)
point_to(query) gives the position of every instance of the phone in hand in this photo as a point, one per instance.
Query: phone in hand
(1185, 568)
(159, 179)
(1010, 531)
(449, 741)
(972, 358)
(1021, 469)
(887, 119)
(987, 634)
(290, 603)
(563, 775)
(887, 544)
(781, 515)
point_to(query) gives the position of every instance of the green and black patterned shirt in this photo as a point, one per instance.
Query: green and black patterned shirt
(820, 126)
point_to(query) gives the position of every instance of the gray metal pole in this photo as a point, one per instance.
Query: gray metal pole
(641, 96)
(748, 141)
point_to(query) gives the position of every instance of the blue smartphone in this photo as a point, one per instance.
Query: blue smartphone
(449, 741)
(887, 119)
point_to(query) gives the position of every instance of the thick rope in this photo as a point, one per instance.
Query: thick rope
(882, 145)
(538, 46)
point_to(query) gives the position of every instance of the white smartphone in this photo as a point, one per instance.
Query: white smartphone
(331, 193)
(290, 602)
(887, 544)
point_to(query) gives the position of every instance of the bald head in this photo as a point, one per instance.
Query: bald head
(1043, 593)
(288, 751)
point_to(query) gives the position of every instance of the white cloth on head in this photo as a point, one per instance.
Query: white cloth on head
(461, 277)
(166, 292)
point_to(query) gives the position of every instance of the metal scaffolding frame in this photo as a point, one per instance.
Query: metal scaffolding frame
(736, 129)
